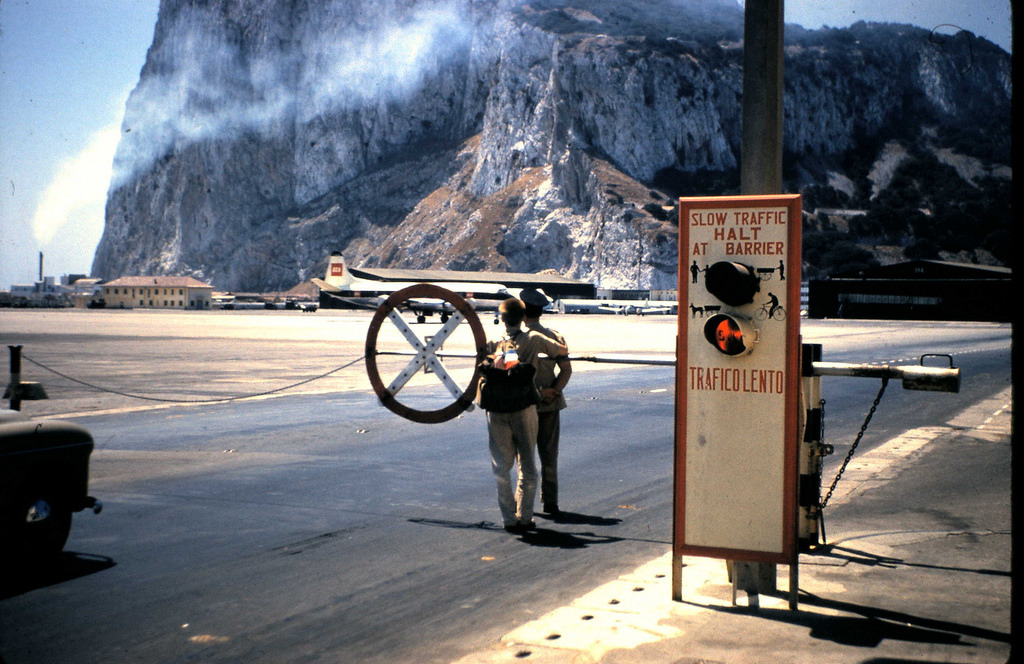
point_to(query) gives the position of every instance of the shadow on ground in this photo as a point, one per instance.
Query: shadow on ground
(18, 578)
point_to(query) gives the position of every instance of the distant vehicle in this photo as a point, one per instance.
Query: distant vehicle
(221, 301)
(44, 478)
(242, 305)
(295, 305)
(349, 291)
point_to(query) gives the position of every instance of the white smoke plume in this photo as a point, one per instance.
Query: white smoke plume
(73, 202)
(202, 86)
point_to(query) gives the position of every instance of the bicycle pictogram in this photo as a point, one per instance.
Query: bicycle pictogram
(768, 310)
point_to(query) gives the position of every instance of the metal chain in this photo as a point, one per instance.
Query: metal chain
(825, 451)
(144, 397)
(853, 448)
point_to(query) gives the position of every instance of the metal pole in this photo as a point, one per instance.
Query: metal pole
(914, 377)
(602, 358)
(760, 172)
(761, 148)
(810, 451)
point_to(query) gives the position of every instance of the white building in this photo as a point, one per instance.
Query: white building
(157, 293)
(46, 292)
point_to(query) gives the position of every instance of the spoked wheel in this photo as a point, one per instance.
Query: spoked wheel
(424, 353)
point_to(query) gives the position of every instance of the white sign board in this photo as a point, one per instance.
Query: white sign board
(737, 378)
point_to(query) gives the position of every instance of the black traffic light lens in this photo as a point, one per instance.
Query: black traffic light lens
(732, 283)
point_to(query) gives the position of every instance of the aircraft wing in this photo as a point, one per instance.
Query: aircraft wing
(324, 286)
(356, 302)
(653, 310)
(484, 305)
(428, 306)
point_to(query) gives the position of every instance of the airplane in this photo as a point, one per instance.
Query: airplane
(649, 307)
(619, 307)
(351, 292)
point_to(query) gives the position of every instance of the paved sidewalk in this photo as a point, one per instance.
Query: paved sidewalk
(898, 582)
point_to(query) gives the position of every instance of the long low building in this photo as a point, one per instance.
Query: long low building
(555, 285)
(157, 293)
(916, 290)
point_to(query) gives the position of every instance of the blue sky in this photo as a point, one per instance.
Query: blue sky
(67, 67)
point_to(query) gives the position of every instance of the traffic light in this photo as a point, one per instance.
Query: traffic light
(732, 283)
(731, 334)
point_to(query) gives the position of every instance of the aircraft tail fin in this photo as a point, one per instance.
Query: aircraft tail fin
(337, 271)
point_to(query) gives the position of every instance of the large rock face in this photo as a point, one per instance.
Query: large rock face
(492, 134)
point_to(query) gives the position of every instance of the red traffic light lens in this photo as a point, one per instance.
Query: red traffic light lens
(727, 335)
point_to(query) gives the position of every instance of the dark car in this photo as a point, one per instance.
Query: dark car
(44, 477)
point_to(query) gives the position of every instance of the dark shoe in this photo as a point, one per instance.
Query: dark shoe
(551, 510)
(521, 527)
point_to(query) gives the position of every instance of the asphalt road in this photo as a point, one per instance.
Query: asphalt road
(313, 525)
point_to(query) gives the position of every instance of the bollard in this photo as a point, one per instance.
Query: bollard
(18, 391)
(14, 387)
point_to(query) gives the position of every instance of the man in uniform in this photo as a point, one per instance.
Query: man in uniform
(552, 376)
(512, 436)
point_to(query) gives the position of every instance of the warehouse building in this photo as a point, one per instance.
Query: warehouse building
(555, 285)
(915, 290)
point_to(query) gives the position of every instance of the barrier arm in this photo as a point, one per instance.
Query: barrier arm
(913, 376)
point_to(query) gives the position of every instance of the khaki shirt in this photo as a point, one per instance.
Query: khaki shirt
(530, 345)
(545, 376)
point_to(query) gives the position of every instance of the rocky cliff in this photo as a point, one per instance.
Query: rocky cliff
(508, 134)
